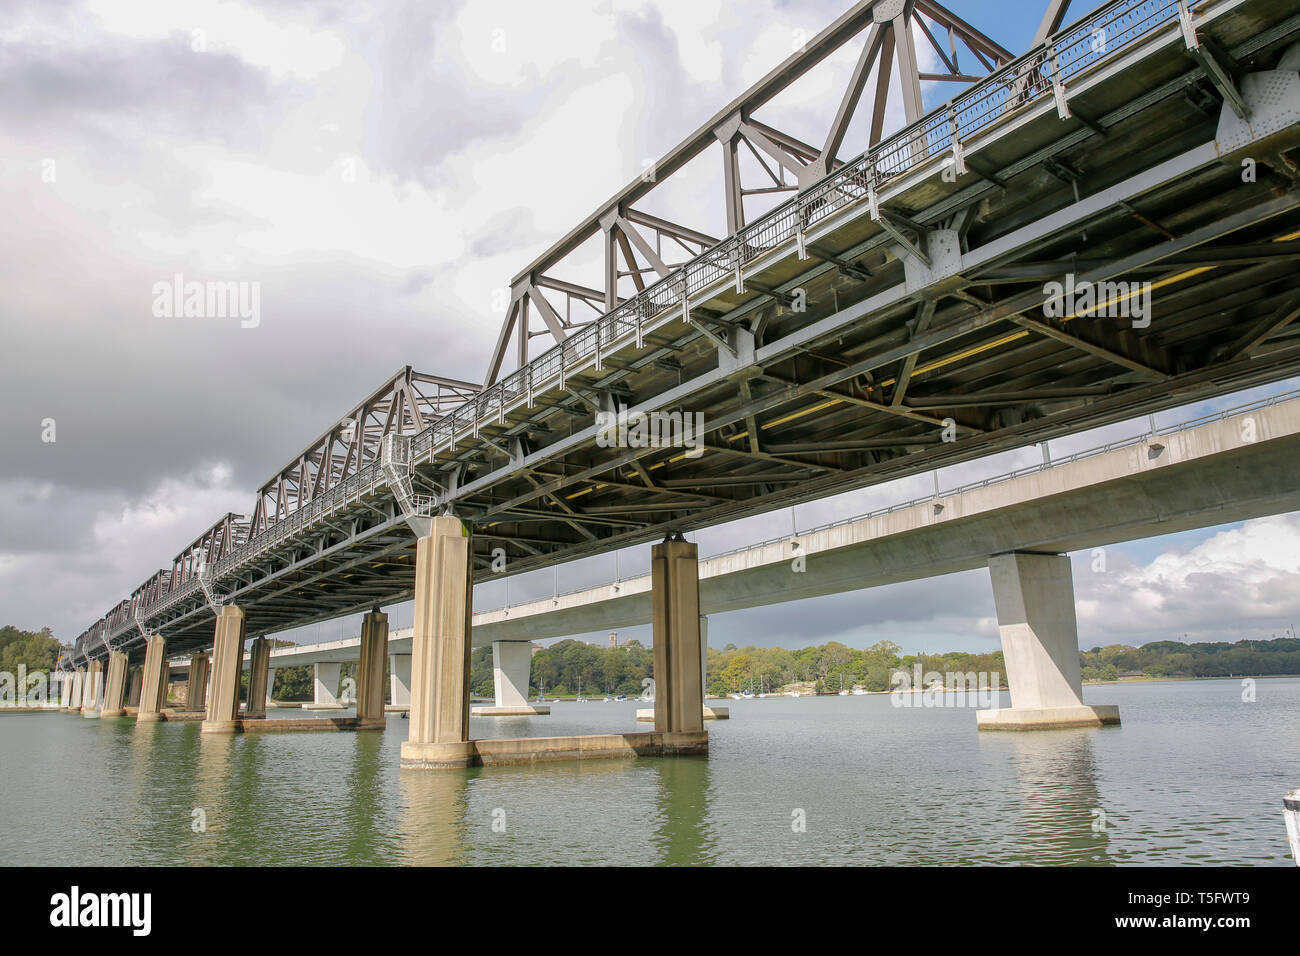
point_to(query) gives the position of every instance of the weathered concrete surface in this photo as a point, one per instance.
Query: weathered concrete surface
(441, 642)
(679, 683)
(115, 686)
(259, 656)
(153, 686)
(227, 666)
(196, 690)
(524, 750)
(370, 675)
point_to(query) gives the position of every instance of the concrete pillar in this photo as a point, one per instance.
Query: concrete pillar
(153, 684)
(511, 666)
(370, 673)
(326, 685)
(1034, 597)
(196, 689)
(270, 685)
(65, 690)
(512, 662)
(115, 686)
(227, 668)
(440, 648)
(74, 689)
(399, 681)
(675, 609)
(93, 688)
(135, 683)
(259, 663)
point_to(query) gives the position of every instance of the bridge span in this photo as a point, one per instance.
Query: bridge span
(1230, 466)
(904, 309)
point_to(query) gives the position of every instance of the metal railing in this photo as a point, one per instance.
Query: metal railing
(794, 535)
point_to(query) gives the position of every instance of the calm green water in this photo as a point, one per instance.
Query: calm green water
(1193, 776)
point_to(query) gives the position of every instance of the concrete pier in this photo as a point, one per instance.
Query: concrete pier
(370, 673)
(196, 690)
(439, 723)
(259, 659)
(512, 663)
(1034, 597)
(227, 667)
(134, 685)
(399, 682)
(679, 678)
(325, 686)
(115, 686)
(270, 687)
(66, 689)
(74, 690)
(92, 689)
(153, 683)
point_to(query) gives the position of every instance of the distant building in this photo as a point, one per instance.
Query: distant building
(613, 638)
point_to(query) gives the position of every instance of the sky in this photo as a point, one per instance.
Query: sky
(382, 170)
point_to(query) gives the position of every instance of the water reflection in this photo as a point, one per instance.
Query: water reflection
(682, 833)
(433, 813)
(1062, 817)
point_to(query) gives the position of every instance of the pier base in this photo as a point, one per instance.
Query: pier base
(525, 750)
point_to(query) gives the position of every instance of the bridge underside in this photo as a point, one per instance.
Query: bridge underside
(855, 363)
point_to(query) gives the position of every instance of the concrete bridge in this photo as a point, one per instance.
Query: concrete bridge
(905, 309)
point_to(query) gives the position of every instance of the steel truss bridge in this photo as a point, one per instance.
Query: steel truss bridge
(894, 301)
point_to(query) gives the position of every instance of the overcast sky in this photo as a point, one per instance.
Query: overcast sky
(383, 170)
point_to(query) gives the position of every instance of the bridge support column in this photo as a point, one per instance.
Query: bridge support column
(399, 681)
(270, 685)
(227, 668)
(440, 649)
(675, 608)
(115, 686)
(153, 685)
(92, 689)
(325, 686)
(72, 689)
(512, 663)
(259, 661)
(370, 672)
(135, 684)
(196, 687)
(1034, 596)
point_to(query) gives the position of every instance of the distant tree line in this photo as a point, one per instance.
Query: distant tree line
(1174, 659)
